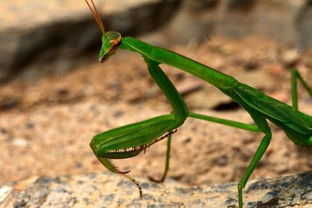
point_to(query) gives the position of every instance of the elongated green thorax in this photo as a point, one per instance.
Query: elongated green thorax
(164, 56)
(110, 42)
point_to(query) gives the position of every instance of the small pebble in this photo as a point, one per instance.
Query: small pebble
(290, 57)
(19, 142)
(5, 192)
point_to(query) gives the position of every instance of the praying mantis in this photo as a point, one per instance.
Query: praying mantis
(130, 140)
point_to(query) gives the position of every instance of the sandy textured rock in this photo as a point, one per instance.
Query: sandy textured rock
(108, 190)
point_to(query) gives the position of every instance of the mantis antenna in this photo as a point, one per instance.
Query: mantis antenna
(96, 15)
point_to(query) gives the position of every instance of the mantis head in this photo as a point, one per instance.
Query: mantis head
(110, 40)
(110, 43)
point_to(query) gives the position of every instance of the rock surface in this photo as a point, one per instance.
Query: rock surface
(54, 33)
(50, 35)
(108, 190)
(284, 21)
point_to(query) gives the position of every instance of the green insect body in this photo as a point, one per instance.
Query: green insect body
(128, 141)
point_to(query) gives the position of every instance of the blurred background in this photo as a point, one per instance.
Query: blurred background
(55, 96)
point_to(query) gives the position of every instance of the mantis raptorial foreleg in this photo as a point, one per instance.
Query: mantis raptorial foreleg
(295, 75)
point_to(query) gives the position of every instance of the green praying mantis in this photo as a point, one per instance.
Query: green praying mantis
(128, 141)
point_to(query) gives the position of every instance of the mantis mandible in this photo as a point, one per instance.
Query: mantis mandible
(128, 141)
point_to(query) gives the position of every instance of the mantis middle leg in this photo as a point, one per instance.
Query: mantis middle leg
(162, 179)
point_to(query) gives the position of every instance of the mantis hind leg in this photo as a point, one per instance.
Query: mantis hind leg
(162, 179)
(295, 75)
(262, 124)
